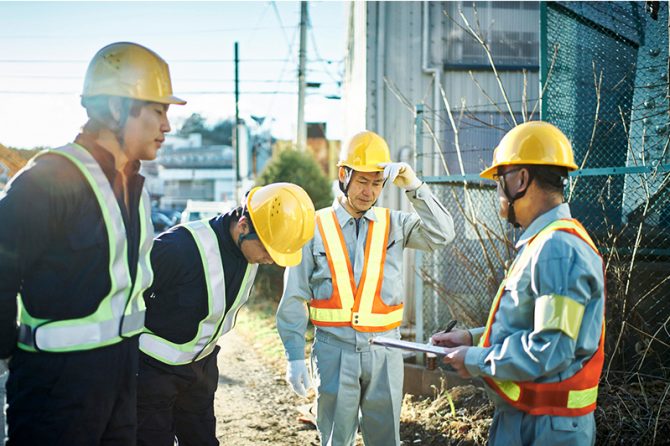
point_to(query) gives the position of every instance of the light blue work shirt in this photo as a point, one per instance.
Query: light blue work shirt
(427, 229)
(564, 265)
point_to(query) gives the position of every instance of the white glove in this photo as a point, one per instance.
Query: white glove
(298, 376)
(402, 175)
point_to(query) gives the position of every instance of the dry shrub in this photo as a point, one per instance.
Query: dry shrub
(430, 421)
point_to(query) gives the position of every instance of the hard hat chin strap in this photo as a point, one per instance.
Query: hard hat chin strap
(252, 234)
(120, 127)
(101, 116)
(344, 185)
(511, 215)
(126, 106)
(243, 237)
(348, 173)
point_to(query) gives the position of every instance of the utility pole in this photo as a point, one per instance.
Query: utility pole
(301, 139)
(236, 134)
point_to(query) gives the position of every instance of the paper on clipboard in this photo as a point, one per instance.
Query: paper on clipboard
(407, 345)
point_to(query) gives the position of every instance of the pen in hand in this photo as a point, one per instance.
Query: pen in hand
(450, 326)
(431, 357)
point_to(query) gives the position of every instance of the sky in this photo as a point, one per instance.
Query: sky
(45, 48)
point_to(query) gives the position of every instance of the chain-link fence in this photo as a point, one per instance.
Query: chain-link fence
(604, 82)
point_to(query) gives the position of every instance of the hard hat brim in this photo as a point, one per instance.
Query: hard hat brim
(283, 259)
(488, 173)
(491, 171)
(166, 100)
(174, 100)
(361, 168)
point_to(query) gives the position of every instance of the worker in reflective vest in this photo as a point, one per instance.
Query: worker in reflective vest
(74, 242)
(204, 271)
(351, 277)
(541, 351)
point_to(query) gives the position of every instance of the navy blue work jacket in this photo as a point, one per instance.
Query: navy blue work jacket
(53, 241)
(177, 299)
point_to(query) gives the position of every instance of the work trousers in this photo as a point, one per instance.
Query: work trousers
(513, 427)
(84, 398)
(177, 401)
(357, 385)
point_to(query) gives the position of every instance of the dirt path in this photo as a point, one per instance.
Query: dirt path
(253, 405)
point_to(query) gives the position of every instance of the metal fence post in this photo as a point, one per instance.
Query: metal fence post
(545, 60)
(418, 255)
(418, 139)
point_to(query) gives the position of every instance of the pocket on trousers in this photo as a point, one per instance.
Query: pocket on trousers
(567, 424)
(568, 431)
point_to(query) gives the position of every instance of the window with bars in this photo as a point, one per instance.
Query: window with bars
(510, 30)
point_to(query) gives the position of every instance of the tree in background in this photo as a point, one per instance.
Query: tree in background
(219, 134)
(193, 124)
(301, 169)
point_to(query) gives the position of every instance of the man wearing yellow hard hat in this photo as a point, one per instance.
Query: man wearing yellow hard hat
(542, 350)
(351, 278)
(74, 244)
(204, 271)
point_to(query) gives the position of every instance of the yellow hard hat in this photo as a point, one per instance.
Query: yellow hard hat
(364, 152)
(283, 216)
(534, 142)
(132, 71)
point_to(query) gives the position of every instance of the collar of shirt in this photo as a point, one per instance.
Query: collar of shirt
(343, 216)
(106, 159)
(221, 225)
(559, 212)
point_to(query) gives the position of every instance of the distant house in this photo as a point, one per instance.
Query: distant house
(186, 169)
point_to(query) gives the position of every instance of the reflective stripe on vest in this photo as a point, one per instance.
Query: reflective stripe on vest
(214, 325)
(572, 397)
(120, 313)
(360, 307)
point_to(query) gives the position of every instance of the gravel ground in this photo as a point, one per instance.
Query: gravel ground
(253, 404)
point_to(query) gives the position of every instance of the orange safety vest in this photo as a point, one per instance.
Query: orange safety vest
(572, 397)
(359, 307)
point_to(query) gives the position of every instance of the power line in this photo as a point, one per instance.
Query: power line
(184, 93)
(283, 28)
(288, 57)
(252, 31)
(31, 61)
(319, 58)
(180, 79)
(185, 34)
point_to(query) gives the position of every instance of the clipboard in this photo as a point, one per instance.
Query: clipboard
(407, 345)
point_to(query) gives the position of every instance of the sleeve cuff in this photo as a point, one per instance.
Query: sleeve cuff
(295, 353)
(420, 192)
(476, 334)
(472, 360)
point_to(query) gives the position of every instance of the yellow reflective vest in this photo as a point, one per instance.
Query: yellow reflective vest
(574, 396)
(219, 319)
(357, 305)
(120, 313)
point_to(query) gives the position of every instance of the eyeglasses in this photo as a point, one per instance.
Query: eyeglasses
(499, 177)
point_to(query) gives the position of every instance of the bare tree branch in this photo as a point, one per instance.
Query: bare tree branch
(485, 46)
(546, 82)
